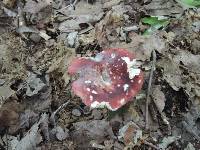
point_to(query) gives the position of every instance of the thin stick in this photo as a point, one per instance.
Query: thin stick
(52, 118)
(149, 89)
(74, 3)
(151, 145)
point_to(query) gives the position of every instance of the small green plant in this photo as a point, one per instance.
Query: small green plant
(155, 23)
(190, 3)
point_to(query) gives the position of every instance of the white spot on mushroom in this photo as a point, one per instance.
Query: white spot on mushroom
(113, 55)
(119, 59)
(114, 77)
(130, 67)
(122, 101)
(139, 81)
(118, 85)
(88, 81)
(126, 87)
(110, 92)
(111, 72)
(94, 92)
(91, 98)
(88, 89)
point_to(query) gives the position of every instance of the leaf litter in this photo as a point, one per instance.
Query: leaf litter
(38, 41)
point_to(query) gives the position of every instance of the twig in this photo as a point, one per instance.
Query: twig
(149, 90)
(151, 145)
(74, 3)
(52, 118)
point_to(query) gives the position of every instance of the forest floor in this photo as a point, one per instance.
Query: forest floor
(40, 38)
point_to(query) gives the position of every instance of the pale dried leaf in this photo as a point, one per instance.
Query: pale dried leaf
(34, 7)
(166, 141)
(191, 61)
(171, 72)
(164, 8)
(159, 98)
(32, 138)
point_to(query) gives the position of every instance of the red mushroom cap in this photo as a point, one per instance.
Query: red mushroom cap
(110, 79)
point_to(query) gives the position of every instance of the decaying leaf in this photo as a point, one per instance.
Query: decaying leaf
(5, 93)
(143, 46)
(159, 98)
(130, 133)
(164, 8)
(34, 7)
(166, 141)
(60, 133)
(189, 60)
(32, 138)
(171, 73)
(60, 64)
(9, 115)
(36, 83)
(189, 147)
(86, 131)
(28, 118)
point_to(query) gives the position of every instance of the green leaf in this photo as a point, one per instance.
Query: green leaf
(155, 23)
(193, 3)
(153, 20)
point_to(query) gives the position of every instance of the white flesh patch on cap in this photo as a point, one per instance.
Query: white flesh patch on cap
(122, 101)
(139, 81)
(88, 81)
(130, 67)
(94, 92)
(88, 89)
(103, 104)
(126, 87)
(91, 98)
(113, 55)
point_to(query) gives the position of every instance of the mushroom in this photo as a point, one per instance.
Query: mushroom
(110, 79)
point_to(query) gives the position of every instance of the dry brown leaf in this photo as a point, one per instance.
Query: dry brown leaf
(171, 72)
(111, 3)
(164, 8)
(9, 116)
(34, 7)
(32, 137)
(142, 46)
(191, 61)
(130, 133)
(61, 64)
(85, 131)
(159, 98)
